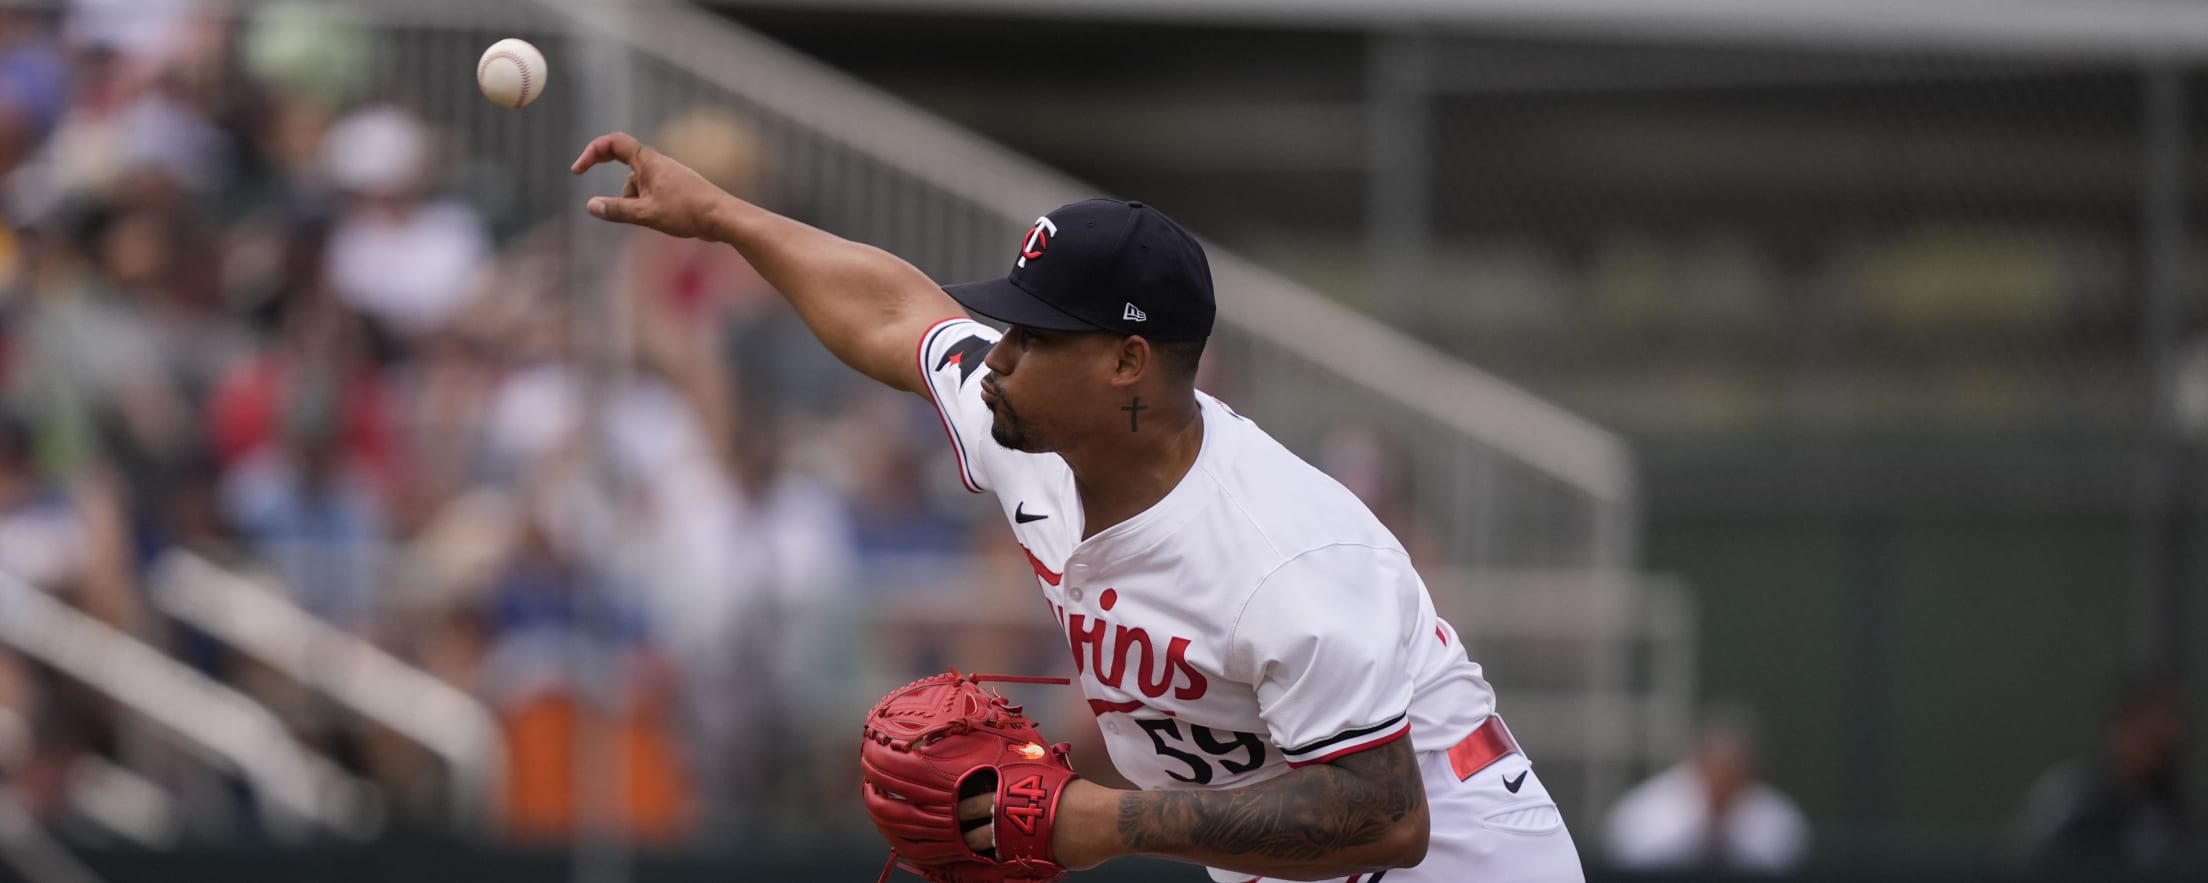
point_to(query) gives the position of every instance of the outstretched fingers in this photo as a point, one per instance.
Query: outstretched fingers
(623, 148)
(620, 147)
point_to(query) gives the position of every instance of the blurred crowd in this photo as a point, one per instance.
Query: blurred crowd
(249, 316)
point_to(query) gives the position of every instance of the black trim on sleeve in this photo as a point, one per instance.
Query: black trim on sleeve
(1344, 736)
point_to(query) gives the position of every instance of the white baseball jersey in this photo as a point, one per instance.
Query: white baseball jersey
(1256, 619)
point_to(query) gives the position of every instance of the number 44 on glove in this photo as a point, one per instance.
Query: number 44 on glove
(939, 740)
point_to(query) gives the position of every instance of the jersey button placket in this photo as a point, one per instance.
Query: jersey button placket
(1077, 575)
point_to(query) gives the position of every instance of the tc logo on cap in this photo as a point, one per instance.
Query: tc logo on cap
(1037, 241)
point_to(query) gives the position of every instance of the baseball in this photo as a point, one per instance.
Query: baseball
(512, 73)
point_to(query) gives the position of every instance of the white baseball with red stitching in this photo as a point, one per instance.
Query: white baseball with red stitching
(511, 73)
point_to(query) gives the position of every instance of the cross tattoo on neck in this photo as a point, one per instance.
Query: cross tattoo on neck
(1134, 413)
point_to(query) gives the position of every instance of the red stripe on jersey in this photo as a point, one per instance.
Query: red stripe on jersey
(1101, 708)
(1353, 749)
(1489, 742)
(1048, 575)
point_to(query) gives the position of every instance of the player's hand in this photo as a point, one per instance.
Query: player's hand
(1079, 847)
(662, 194)
(979, 808)
(1074, 851)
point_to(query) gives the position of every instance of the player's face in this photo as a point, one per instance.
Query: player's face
(1045, 388)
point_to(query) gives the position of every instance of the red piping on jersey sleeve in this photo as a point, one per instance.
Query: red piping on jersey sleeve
(1353, 749)
(927, 383)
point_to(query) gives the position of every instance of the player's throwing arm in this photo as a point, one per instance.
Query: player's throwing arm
(867, 305)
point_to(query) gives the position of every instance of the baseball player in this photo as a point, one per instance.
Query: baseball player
(1260, 655)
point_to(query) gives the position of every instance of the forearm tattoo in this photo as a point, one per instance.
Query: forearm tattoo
(1312, 813)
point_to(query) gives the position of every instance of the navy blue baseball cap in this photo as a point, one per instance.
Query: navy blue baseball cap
(1102, 265)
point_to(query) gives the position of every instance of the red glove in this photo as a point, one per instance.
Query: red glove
(931, 742)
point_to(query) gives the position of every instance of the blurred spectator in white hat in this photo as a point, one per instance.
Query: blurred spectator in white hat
(399, 254)
(1711, 811)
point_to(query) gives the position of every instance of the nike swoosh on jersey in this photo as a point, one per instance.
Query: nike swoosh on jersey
(1019, 514)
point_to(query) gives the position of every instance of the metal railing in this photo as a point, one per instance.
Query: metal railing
(31, 851)
(301, 792)
(262, 622)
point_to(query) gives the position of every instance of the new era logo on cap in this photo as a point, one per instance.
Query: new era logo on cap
(1102, 253)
